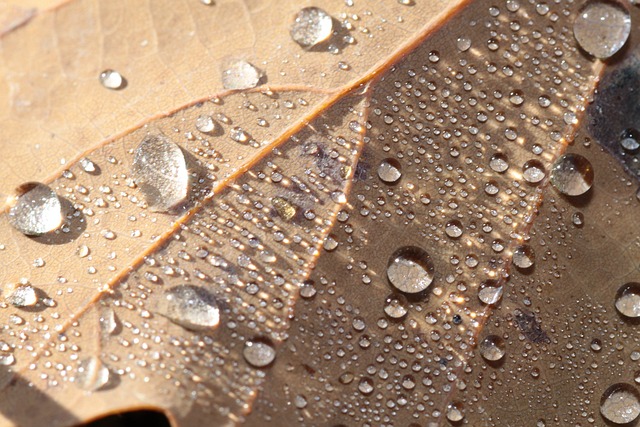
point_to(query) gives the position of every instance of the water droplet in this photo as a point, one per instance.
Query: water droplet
(523, 257)
(620, 403)
(453, 229)
(87, 165)
(410, 270)
(37, 210)
(259, 352)
(308, 290)
(108, 321)
(463, 43)
(499, 163)
(205, 124)
(365, 386)
(578, 219)
(390, 171)
(285, 209)
(628, 299)
(160, 170)
(492, 348)
(92, 374)
(596, 344)
(533, 171)
(311, 26)
(490, 292)
(111, 79)
(516, 97)
(491, 188)
(572, 174)
(396, 306)
(602, 27)
(189, 306)
(630, 140)
(22, 296)
(241, 75)
(455, 413)
(238, 134)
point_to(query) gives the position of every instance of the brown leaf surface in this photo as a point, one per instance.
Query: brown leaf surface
(316, 129)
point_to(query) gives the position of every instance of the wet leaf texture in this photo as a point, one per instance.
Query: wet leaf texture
(347, 213)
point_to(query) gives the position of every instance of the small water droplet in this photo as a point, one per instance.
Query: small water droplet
(111, 79)
(37, 210)
(259, 352)
(578, 219)
(88, 166)
(238, 134)
(499, 163)
(410, 270)
(620, 403)
(390, 171)
(516, 97)
(396, 306)
(490, 292)
(311, 26)
(453, 229)
(602, 27)
(241, 75)
(630, 140)
(523, 257)
(463, 43)
(365, 386)
(92, 374)
(285, 209)
(160, 170)
(492, 348)
(308, 290)
(455, 412)
(572, 174)
(189, 306)
(628, 299)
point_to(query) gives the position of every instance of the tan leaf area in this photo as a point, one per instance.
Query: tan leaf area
(365, 234)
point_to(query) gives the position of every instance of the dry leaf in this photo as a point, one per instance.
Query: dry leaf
(360, 230)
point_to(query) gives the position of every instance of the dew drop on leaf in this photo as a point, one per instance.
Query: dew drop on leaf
(410, 270)
(92, 374)
(628, 300)
(523, 257)
(602, 27)
(191, 307)
(259, 353)
(499, 163)
(453, 229)
(22, 296)
(454, 412)
(396, 306)
(87, 165)
(492, 348)
(205, 124)
(241, 75)
(463, 43)
(533, 171)
(630, 140)
(285, 209)
(160, 170)
(311, 26)
(111, 79)
(389, 171)
(365, 386)
(490, 292)
(37, 211)
(572, 174)
(620, 403)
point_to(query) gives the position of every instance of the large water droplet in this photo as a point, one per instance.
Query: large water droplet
(492, 348)
(190, 306)
(455, 413)
(410, 270)
(620, 403)
(22, 296)
(311, 26)
(160, 170)
(572, 174)
(259, 352)
(533, 171)
(523, 256)
(390, 171)
(111, 79)
(628, 299)
(37, 210)
(92, 374)
(241, 75)
(602, 27)
(490, 292)
(499, 163)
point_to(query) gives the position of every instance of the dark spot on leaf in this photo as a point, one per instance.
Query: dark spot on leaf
(530, 326)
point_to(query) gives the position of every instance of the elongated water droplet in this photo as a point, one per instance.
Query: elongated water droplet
(490, 292)
(111, 79)
(602, 27)
(22, 296)
(160, 170)
(311, 26)
(241, 75)
(390, 171)
(285, 209)
(189, 306)
(259, 352)
(37, 210)
(92, 374)
(620, 403)
(492, 348)
(628, 299)
(572, 175)
(410, 270)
